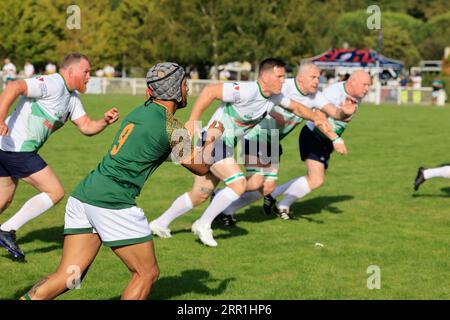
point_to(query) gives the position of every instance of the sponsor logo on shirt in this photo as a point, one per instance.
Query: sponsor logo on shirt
(236, 92)
(44, 90)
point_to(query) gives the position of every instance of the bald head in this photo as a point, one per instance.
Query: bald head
(358, 84)
(360, 76)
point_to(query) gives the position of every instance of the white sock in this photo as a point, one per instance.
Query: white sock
(298, 189)
(279, 190)
(220, 202)
(442, 172)
(33, 208)
(179, 207)
(244, 200)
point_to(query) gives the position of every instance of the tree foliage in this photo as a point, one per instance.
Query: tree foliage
(133, 34)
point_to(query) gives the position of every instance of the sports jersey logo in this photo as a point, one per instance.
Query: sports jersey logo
(43, 87)
(236, 86)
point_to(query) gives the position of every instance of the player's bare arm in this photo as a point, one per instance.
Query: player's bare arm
(198, 161)
(11, 92)
(338, 142)
(90, 127)
(207, 96)
(342, 113)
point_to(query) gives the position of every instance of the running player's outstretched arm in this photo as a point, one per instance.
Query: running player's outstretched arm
(90, 127)
(12, 91)
(204, 100)
(306, 113)
(342, 113)
(338, 142)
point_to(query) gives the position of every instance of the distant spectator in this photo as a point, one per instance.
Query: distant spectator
(416, 81)
(193, 74)
(224, 74)
(50, 68)
(403, 81)
(341, 77)
(330, 80)
(393, 82)
(323, 78)
(438, 88)
(28, 69)
(109, 71)
(100, 73)
(8, 72)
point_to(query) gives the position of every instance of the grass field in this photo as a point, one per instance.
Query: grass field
(365, 214)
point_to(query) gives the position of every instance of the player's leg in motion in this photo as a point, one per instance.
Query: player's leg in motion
(228, 171)
(78, 253)
(8, 187)
(300, 187)
(261, 182)
(255, 181)
(141, 261)
(200, 192)
(425, 174)
(52, 192)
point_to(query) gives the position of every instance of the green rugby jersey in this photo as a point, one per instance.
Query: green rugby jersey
(142, 144)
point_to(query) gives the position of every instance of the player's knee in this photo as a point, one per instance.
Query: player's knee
(57, 195)
(255, 182)
(198, 197)
(149, 276)
(4, 204)
(238, 186)
(315, 182)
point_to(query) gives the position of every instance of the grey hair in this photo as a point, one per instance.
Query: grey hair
(305, 66)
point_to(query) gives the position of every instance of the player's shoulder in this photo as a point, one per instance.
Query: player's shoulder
(334, 89)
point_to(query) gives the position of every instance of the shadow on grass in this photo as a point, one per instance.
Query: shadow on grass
(316, 205)
(233, 231)
(52, 235)
(190, 281)
(7, 255)
(301, 209)
(445, 194)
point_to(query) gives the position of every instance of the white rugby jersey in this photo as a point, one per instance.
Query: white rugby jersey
(286, 121)
(243, 107)
(47, 106)
(336, 94)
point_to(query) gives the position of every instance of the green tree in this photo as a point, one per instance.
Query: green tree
(30, 30)
(436, 37)
(398, 30)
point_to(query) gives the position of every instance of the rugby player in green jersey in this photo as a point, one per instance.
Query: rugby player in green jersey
(102, 208)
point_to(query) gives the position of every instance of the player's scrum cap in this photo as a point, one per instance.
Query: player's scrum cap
(164, 81)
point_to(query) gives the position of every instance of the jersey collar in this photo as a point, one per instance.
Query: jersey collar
(298, 89)
(260, 91)
(65, 84)
(345, 90)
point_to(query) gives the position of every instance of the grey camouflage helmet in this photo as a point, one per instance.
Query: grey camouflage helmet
(164, 81)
